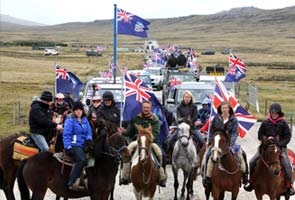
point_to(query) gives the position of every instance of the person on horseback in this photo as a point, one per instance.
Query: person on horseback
(60, 106)
(77, 136)
(40, 121)
(108, 110)
(145, 118)
(204, 112)
(94, 107)
(225, 119)
(275, 125)
(187, 111)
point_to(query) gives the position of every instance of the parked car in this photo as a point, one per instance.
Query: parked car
(49, 52)
(226, 51)
(208, 52)
(93, 53)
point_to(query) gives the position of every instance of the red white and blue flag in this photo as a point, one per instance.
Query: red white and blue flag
(135, 92)
(237, 69)
(245, 120)
(129, 24)
(67, 83)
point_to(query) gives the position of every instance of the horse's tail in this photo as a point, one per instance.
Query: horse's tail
(22, 186)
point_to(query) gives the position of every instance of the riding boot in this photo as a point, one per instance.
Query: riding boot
(125, 179)
(163, 177)
(245, 178)
(76, 186)
(248, 187)
(207, 182)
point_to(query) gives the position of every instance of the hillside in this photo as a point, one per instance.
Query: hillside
(247, 20)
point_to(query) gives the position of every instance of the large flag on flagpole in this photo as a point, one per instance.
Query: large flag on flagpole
(135, 92)
(130, 24)
(236, 70)
(245, 120)
(67, 83)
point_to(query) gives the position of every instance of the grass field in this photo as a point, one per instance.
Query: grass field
(26, 73)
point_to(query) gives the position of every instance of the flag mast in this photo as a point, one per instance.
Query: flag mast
(115, 42)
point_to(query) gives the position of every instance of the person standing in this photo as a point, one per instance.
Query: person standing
(40, 121)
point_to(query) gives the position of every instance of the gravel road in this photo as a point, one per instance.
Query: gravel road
(249, 143)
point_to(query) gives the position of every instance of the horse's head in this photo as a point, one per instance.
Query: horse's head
(108, 141)
(184, 134)
(220, 145)
(144, 141)
(270, 154)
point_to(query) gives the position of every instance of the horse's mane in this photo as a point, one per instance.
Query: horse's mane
(9, 137)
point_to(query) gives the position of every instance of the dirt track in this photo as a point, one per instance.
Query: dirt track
(249, 143)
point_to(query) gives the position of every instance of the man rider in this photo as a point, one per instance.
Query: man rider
(145, 118)
(94, 107)
(275, 125)
(40, 121)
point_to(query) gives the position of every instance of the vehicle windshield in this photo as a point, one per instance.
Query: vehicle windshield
(145, 79)
(99, 91)
(154, 71)
(199, 94)
(182, 77)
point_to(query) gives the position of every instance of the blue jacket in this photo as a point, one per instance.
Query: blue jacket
(76, 133)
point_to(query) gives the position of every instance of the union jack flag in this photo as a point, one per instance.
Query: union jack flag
(124, 16)
(61, 73)
(245, 120)
(237, 69)
(135, 92)
(174, 82)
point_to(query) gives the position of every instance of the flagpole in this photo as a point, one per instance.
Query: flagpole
(55, 79)
(115, 41)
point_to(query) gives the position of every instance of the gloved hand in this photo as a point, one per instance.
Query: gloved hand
(88, 146)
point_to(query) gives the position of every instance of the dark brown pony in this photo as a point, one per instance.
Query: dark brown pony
(226, 175)
(269, 168)
(109, 147)
(144, 173)
(8, 166)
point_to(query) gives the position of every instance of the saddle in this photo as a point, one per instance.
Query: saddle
(64, 159)
(24, 147)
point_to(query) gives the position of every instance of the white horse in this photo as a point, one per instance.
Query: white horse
(184, 157)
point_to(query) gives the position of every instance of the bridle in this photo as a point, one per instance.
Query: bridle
(265, 158)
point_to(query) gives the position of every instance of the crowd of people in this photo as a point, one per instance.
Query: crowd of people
(77, 135)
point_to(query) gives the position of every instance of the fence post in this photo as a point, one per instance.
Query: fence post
(18, 112)
(265, 106)
(291, 121)
(13, 114)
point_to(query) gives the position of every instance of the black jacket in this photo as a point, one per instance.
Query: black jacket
(40, 119)
(188, 113)
(275, 128)
(109, 113)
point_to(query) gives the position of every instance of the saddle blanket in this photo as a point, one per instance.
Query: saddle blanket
(23, 148)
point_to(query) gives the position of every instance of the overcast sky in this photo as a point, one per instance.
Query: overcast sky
(61, 11)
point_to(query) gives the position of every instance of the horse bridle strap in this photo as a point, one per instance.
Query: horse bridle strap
(218, 149)
(184, 136)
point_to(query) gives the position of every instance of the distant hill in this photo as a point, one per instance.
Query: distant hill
(189, 28)
(12, 20)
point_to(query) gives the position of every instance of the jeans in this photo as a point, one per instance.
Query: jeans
(40, 141)
(199, 137)
(78, 156)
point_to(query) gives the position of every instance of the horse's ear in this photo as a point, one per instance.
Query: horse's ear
(138, 127)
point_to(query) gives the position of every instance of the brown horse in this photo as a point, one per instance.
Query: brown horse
(269, 168)
(109, 147)
(144, 171)
(8, 166)
(226, 174)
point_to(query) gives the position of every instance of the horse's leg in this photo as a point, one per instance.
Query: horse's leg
(176, 184)
(258, 195)
(8, 183)
(207, 193)
(112, 194)
(221, 195)
(185, 176)
(189, 184)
